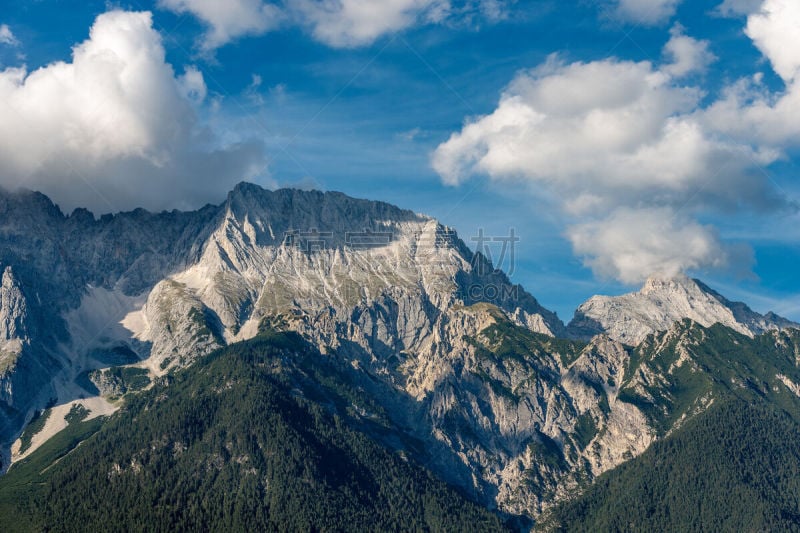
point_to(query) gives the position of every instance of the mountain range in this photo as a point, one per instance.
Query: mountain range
(379, 322)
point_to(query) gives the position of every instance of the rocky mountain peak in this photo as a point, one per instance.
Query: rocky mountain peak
(327, 218)
(661, 302)
(464, 361)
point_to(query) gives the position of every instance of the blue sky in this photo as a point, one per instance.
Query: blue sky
(444, 107)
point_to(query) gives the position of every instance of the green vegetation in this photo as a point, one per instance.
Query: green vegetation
(201, 322)
(734, 468)
(508, 341)
(21, 487)
(585, 430)
(497, 386)
(264, 435)
(720, 363)
(77, 413)
(134, 379)
(730, 459)
(546, 451)
(269, 434)
(120, 380)
(34, 426)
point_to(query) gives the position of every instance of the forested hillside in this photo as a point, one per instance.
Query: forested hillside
(264, 435)
(734, 468)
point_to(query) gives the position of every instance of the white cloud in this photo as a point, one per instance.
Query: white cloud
(7, 36)
(775, 30)
(646, 242)
(494, 9)
(350, 23)
(688, 55)
(735, 8)
(646, 12)
(230, 19)
(253, 91)
(115, 128)
(336, 23)
(615, 140)
(750, 113)
(600, 132)
(748, 110)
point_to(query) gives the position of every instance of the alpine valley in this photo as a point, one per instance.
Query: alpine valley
(308, 361)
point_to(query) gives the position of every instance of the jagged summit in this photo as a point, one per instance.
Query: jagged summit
(327, 254)
(663, 301)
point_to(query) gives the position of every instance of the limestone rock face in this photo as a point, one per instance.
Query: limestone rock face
(662, 302)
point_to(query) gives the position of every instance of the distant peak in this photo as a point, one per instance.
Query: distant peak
(662, 301)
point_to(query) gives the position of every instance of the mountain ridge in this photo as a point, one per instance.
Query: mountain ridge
(466, 362)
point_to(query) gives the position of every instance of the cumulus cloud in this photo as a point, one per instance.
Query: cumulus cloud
(115, 128)
(688, 55)
(619, 142)
(775, 30)
(7, 36)
(601, 132)
(645, 12)
(749, 112)
(228, 20)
